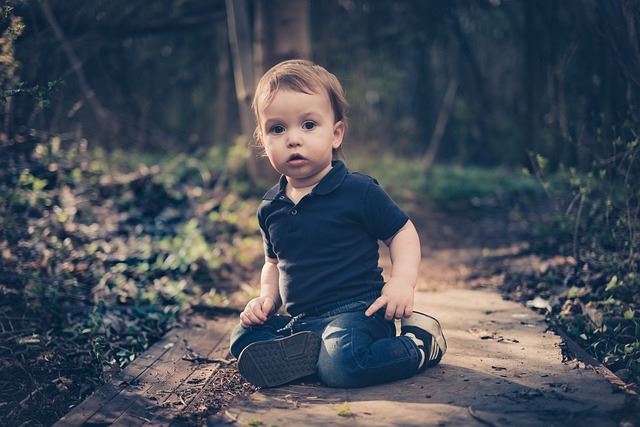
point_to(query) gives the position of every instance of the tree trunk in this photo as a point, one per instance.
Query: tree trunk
(529, 81)
(621, 22)
(102, 114)
(285, 31)
(482, 102)
(240, 40)
(222, 117)
(280, 31)
(441, 124)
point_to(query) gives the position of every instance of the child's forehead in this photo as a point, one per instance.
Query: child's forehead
(267, 99)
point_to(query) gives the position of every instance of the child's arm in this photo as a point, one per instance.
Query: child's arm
(259, 309)
(397, 293)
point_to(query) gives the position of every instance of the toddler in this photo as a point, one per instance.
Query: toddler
(321, 225)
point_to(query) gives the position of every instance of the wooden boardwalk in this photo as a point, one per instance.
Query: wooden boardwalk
(159, 385)
(504, 367)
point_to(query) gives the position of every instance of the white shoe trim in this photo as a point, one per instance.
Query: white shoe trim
(429, 324)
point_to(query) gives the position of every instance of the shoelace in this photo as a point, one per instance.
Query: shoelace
(292, 322)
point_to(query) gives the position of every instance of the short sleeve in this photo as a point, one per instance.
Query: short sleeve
(268, 247)
(382, 217)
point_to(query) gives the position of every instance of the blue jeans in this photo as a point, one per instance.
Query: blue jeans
(356, 350)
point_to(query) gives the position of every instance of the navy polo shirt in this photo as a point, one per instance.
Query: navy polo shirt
(327, 244)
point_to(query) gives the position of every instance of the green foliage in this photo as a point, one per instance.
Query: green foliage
(345, 410)
(449, 186)
(479, 187)
(599, 207)
(398, 175)
(9, 65)
(107, 257)
(596, 222)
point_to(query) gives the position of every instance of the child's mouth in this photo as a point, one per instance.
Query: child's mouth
(296, 160)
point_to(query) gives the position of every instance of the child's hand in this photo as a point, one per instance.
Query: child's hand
(397, 295)
(257, 311)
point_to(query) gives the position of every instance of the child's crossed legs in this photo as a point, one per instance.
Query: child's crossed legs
(355, 350)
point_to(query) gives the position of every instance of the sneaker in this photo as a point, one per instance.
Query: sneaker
(428, 330)
(276, 362)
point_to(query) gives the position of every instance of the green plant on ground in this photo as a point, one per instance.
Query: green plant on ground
(99, 263)
(449, 186)
(345, 410)
(597, 224)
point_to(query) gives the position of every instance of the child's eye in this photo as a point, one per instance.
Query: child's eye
(308, 125)
(276, 129)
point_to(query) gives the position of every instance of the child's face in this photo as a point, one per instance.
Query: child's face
(299, 134)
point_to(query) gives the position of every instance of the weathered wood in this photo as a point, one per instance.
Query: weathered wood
(156, 378)
(512, 375)
(167, 398)
(167, 415)
(86, 409)
(158, 381)
(110, 409)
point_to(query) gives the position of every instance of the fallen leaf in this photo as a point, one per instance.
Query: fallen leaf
(483, 334)
(539, 303)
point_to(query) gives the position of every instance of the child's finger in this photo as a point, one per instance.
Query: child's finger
(244, 320)
(408, 311)
(377, 305)
(390, 313)
(267, 307)
(256, 310)
(399, 313)
(253, 319)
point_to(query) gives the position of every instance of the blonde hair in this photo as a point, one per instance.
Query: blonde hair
(304, 76)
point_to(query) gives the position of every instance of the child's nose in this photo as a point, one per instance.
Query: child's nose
(294, 139)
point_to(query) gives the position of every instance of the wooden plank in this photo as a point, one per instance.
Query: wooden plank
(202, 373)
(166, 409)
(145, 385)
(112, 408)
(589, 360)
(81, 413)
(170, 374)
(209, 371)
(159, 369)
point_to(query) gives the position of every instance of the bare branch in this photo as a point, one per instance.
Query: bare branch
(441, 124)
(87, 91)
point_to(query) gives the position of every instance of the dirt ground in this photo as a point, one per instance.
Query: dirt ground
(504, 365)
(522, 371)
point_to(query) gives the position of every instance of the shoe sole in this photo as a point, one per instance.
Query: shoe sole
(431, 325)
(277, 362)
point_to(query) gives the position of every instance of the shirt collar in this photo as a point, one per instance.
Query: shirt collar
(327, 184)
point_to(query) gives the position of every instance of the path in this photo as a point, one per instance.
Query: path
(163, 382)
(503, 367)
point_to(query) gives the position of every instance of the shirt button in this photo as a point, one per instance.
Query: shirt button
(294, 212)
(281, 197)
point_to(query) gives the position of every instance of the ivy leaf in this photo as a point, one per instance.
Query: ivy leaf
(573, 292)
(612, 283)
(629, 314)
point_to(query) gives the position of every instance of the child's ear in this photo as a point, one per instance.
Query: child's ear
(338, 133)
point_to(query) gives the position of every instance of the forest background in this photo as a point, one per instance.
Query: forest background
(128, 180)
